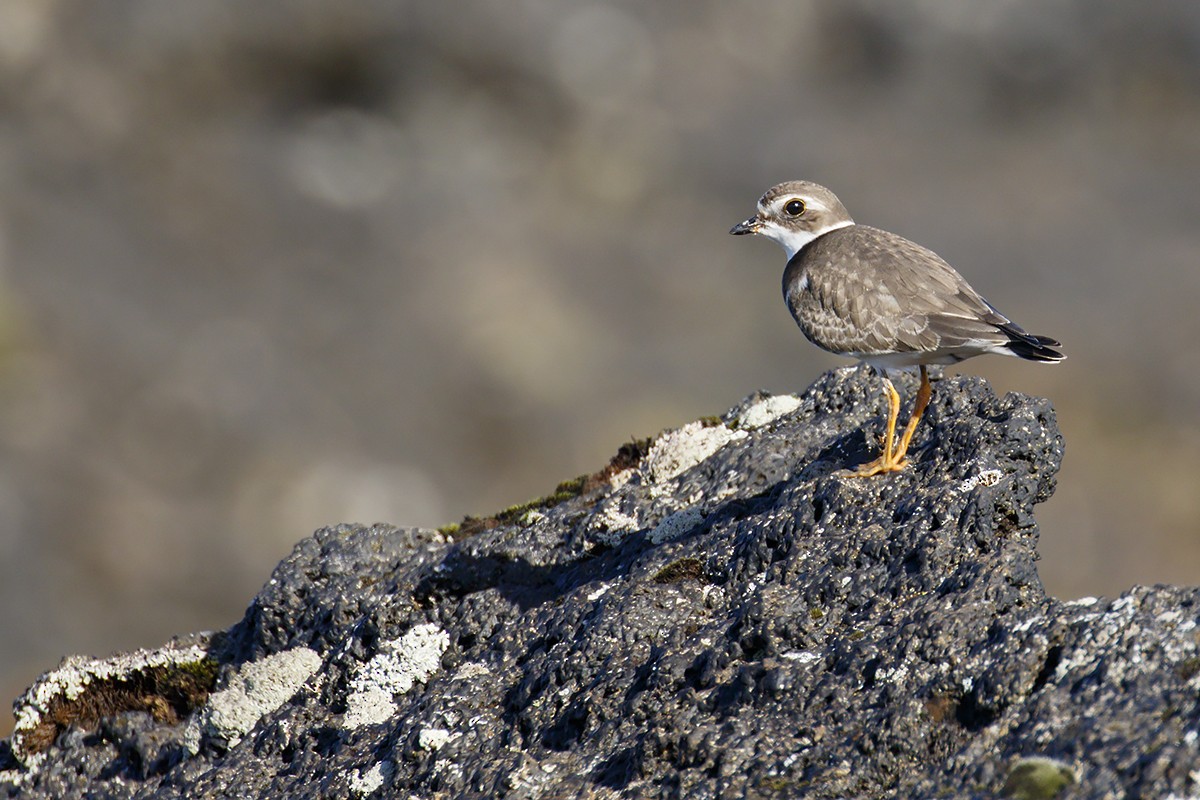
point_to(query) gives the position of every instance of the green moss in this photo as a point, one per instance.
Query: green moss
(628, 456)
(203, 671)
(680, 570)
(568, 489)
(1037, 778)
(776, 783)
(815, 613)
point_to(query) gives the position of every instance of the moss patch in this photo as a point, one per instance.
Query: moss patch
(628, 456)
(941, 708)
(775, 784)
(684, 569)
(166, 693)
(1036, 778)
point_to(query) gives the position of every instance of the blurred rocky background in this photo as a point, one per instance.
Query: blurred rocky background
(270, 266)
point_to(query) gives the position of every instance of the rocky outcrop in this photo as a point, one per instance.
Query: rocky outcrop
(718, 613)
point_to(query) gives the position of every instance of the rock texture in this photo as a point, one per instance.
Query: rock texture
(717, 614)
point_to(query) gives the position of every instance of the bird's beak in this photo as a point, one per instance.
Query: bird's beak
(751, 225)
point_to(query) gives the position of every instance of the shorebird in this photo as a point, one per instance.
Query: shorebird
(872, 295)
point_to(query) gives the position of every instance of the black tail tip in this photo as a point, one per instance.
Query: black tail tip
(1037, 348)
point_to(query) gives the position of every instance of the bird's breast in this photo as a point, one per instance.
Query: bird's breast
(795, 282)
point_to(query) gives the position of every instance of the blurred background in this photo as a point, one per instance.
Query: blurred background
(270, 266)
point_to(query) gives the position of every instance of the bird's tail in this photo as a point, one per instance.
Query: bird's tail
(1031, 346)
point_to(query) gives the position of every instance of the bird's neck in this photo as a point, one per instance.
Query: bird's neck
(793, 242)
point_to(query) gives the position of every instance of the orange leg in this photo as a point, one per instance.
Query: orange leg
(885, 462)
(923, 395)
(893, 458)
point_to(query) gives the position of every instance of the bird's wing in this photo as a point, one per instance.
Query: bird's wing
(902, 297)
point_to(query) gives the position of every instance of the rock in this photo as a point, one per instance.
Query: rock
(719, 613)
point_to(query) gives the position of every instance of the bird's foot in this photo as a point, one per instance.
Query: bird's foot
(880, 466)
(893, 458)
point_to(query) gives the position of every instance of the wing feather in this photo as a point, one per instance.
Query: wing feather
(873, 292)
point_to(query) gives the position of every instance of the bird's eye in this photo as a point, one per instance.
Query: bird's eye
(793, 207)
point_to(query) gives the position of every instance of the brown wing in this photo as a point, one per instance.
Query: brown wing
(889, 295)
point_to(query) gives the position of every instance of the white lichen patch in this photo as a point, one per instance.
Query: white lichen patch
(470, 671)
(1123, 606)
(676, 452)
(364, 783)
(432, 738)
(70, 679)
(621, 478)
(675, 525)
(895, 675)
(609, 525)
(394, 670)
(987, 477)
(767, 410)
(255, 690)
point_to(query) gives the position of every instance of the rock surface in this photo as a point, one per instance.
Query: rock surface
(717, 614)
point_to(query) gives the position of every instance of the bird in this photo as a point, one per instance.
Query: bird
(875, 296)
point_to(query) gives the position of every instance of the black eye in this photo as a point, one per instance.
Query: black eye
(794, 207)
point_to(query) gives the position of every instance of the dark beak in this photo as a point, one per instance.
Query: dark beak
(749, 226)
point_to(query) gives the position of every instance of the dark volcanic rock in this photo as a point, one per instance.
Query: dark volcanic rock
(729, 618)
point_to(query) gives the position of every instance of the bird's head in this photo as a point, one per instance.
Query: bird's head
(795, 213)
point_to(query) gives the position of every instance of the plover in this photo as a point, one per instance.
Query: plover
(875, 296)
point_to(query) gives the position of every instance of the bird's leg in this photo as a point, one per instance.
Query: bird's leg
(922, 402)
(889, 438)
(887, 461)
